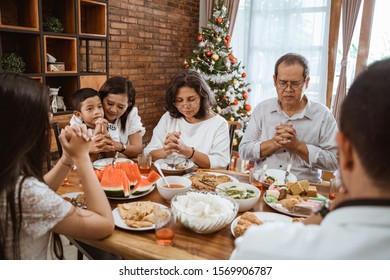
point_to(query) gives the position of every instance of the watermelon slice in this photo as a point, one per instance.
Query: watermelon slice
(142, 186)
(115, 183)
(153, 177)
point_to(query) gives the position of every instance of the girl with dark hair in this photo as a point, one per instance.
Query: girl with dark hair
(190, 128)
(118, 97)
(30, 210)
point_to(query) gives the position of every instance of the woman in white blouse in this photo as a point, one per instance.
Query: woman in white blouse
(118, 97)
(190, 127)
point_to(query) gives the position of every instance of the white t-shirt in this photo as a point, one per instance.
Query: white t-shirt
(353, 232)
(42, 209)
(133, 125)
(210, 137)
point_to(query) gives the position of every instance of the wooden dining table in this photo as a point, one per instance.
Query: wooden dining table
(141, 245)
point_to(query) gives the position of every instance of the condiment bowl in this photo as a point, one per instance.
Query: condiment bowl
(245, 194)
(169, 193)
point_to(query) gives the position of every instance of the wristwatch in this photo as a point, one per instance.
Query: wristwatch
(324, 209)
(123, 148)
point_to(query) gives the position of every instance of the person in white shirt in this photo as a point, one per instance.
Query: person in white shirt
(290, 128)
(189, 127)
(358, 224)
(118, 97)
(30, 210)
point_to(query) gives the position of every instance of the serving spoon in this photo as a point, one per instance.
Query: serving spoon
(161, 173)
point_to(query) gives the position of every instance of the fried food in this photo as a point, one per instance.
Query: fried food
(206, 181)
(245, 221)
(138, 214)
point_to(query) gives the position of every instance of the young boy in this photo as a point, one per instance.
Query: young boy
(89, 110)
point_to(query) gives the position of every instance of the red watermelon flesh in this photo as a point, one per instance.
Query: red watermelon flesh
(153, 177)
(134, 167)
(142, 186)
(115, 183)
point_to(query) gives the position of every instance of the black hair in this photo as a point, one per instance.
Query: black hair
(25, 129)
(189, 78)
(81, 95)
(119, 85)
(365, 120)
(291, 59)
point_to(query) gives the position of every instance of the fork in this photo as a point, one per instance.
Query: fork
(287, 172)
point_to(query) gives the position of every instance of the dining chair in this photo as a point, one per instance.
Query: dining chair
(233, 125)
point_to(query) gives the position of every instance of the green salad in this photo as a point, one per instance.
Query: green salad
(238, 192)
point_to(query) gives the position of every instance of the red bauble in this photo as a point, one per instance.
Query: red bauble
(243, 75)
(219, 20)
(208, 53)
(235, 102)
(200, 37)
(187, 66)
(247, 107)
(244, 95)
(227, 38)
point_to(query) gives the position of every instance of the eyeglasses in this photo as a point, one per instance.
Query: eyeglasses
(191, 103)
(295, 85)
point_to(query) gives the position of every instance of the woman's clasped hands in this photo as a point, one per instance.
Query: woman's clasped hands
(173, 144)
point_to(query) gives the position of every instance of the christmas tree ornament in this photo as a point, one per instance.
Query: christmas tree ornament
(243, 75)
(200, 37)
(247, 107)
(208, 53)
(215, 57)
(219, 20)
(228, 38)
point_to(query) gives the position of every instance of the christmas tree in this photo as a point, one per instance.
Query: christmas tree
(214, 59)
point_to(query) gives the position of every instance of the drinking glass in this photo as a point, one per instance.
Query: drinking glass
(165, 226)
(334, 186)
(254, 177)
(144, 163)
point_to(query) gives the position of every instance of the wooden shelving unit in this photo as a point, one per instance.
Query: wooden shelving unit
(81, 50)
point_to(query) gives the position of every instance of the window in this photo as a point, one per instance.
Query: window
(265, 30)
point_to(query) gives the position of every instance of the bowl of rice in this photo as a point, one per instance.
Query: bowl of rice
(204, 212)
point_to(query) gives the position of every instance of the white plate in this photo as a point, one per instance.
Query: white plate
(278, 207)
(101, 163)
(73, 195)
(134, 196)
(278, 174)
(170, 170)
(266, 217)
(213, 173)
(121, 223)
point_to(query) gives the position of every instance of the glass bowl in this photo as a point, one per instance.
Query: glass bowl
(204, 212)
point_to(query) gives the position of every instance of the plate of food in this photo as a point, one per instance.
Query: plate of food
(76, 198)
(207, 181)
(297, 199)
(274, 176)
(136, 216)
(101, 163)
(174, 165)
(248, 219)
(134, 195)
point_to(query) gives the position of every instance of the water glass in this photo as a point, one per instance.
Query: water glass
(165, 226)
(254, 178)
(334, 186)
(144, 163)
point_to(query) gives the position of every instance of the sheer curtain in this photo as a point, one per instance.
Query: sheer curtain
(350, 11)
(266, 30)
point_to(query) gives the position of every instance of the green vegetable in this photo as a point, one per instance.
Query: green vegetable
(237, 192)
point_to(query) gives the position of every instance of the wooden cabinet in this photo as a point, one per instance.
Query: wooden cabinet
(80, 50)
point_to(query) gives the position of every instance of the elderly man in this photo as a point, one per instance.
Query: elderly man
(291, 128)
(358, 226)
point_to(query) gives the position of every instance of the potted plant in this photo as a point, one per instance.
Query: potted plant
(13, 63)
(52, 24)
